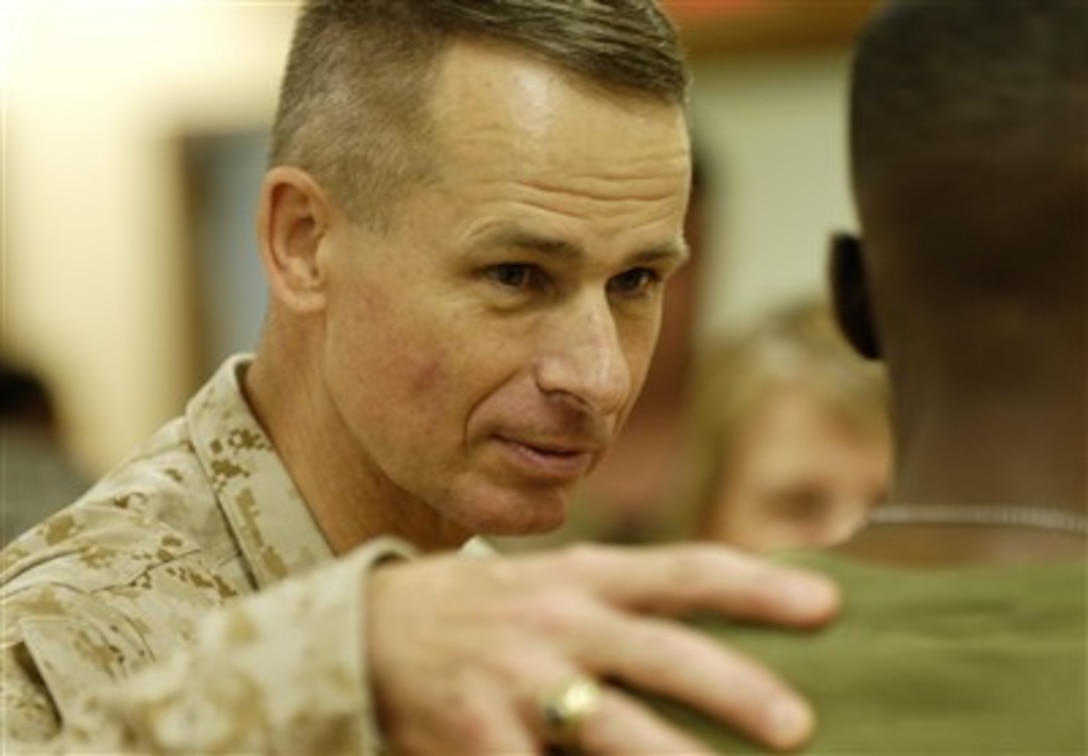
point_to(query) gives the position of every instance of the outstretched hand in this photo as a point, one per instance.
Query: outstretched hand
(461, 649)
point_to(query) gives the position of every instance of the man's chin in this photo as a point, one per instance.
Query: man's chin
(523, 528)
(524, 518)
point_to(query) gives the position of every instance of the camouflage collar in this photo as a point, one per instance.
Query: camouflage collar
(268, 517)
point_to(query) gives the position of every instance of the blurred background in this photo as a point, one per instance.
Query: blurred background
(133, 143)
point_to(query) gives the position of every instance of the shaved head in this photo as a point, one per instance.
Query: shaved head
(969, 146)
(970, 76)
(969, 160)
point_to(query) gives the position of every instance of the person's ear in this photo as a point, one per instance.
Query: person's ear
(292, 224)
(850, 295)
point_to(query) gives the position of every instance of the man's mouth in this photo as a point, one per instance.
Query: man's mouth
(550, 462)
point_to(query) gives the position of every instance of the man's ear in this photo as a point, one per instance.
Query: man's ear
(292, 223)
(850, 295)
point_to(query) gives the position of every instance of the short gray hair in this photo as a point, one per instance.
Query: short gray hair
(352, 108)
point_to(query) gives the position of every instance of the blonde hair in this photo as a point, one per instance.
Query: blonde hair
(796, 345)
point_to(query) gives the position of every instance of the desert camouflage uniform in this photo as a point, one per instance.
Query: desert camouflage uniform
(187, 603)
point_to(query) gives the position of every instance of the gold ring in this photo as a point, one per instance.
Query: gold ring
(565, 710)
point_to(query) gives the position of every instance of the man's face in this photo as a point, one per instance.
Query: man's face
(799, 475)
(483, 352)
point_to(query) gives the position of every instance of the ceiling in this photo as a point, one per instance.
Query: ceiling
(721, 28)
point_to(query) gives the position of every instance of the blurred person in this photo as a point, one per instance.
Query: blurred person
(791, 440)
(469, 217)
(966, 597)
(36, 475)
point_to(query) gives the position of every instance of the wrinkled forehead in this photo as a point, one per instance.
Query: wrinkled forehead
(529, 115)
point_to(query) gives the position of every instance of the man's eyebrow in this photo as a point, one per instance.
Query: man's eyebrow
(676, 249)
(512, 237)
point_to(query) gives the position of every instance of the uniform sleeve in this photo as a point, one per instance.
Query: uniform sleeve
(281, 671)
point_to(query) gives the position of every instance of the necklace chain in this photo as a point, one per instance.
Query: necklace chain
(1038, 518)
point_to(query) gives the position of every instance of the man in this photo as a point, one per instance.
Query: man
(966, 613)
(470, 214)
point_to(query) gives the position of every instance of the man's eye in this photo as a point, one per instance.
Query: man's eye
(512, 275)
(634, 281)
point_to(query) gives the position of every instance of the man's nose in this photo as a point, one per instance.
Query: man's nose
(584, 360)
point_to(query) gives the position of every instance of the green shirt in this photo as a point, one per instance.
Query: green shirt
(933, 661)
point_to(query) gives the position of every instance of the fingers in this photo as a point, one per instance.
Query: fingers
(609, 722)
(674, 661)
(461, 650)
(623, 726)
(699, 577)
(610, 630)
(661, 657)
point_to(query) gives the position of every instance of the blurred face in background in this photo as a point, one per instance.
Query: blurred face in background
(799, 474)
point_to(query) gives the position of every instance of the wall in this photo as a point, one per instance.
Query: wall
(96, 96)
(774, 133)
